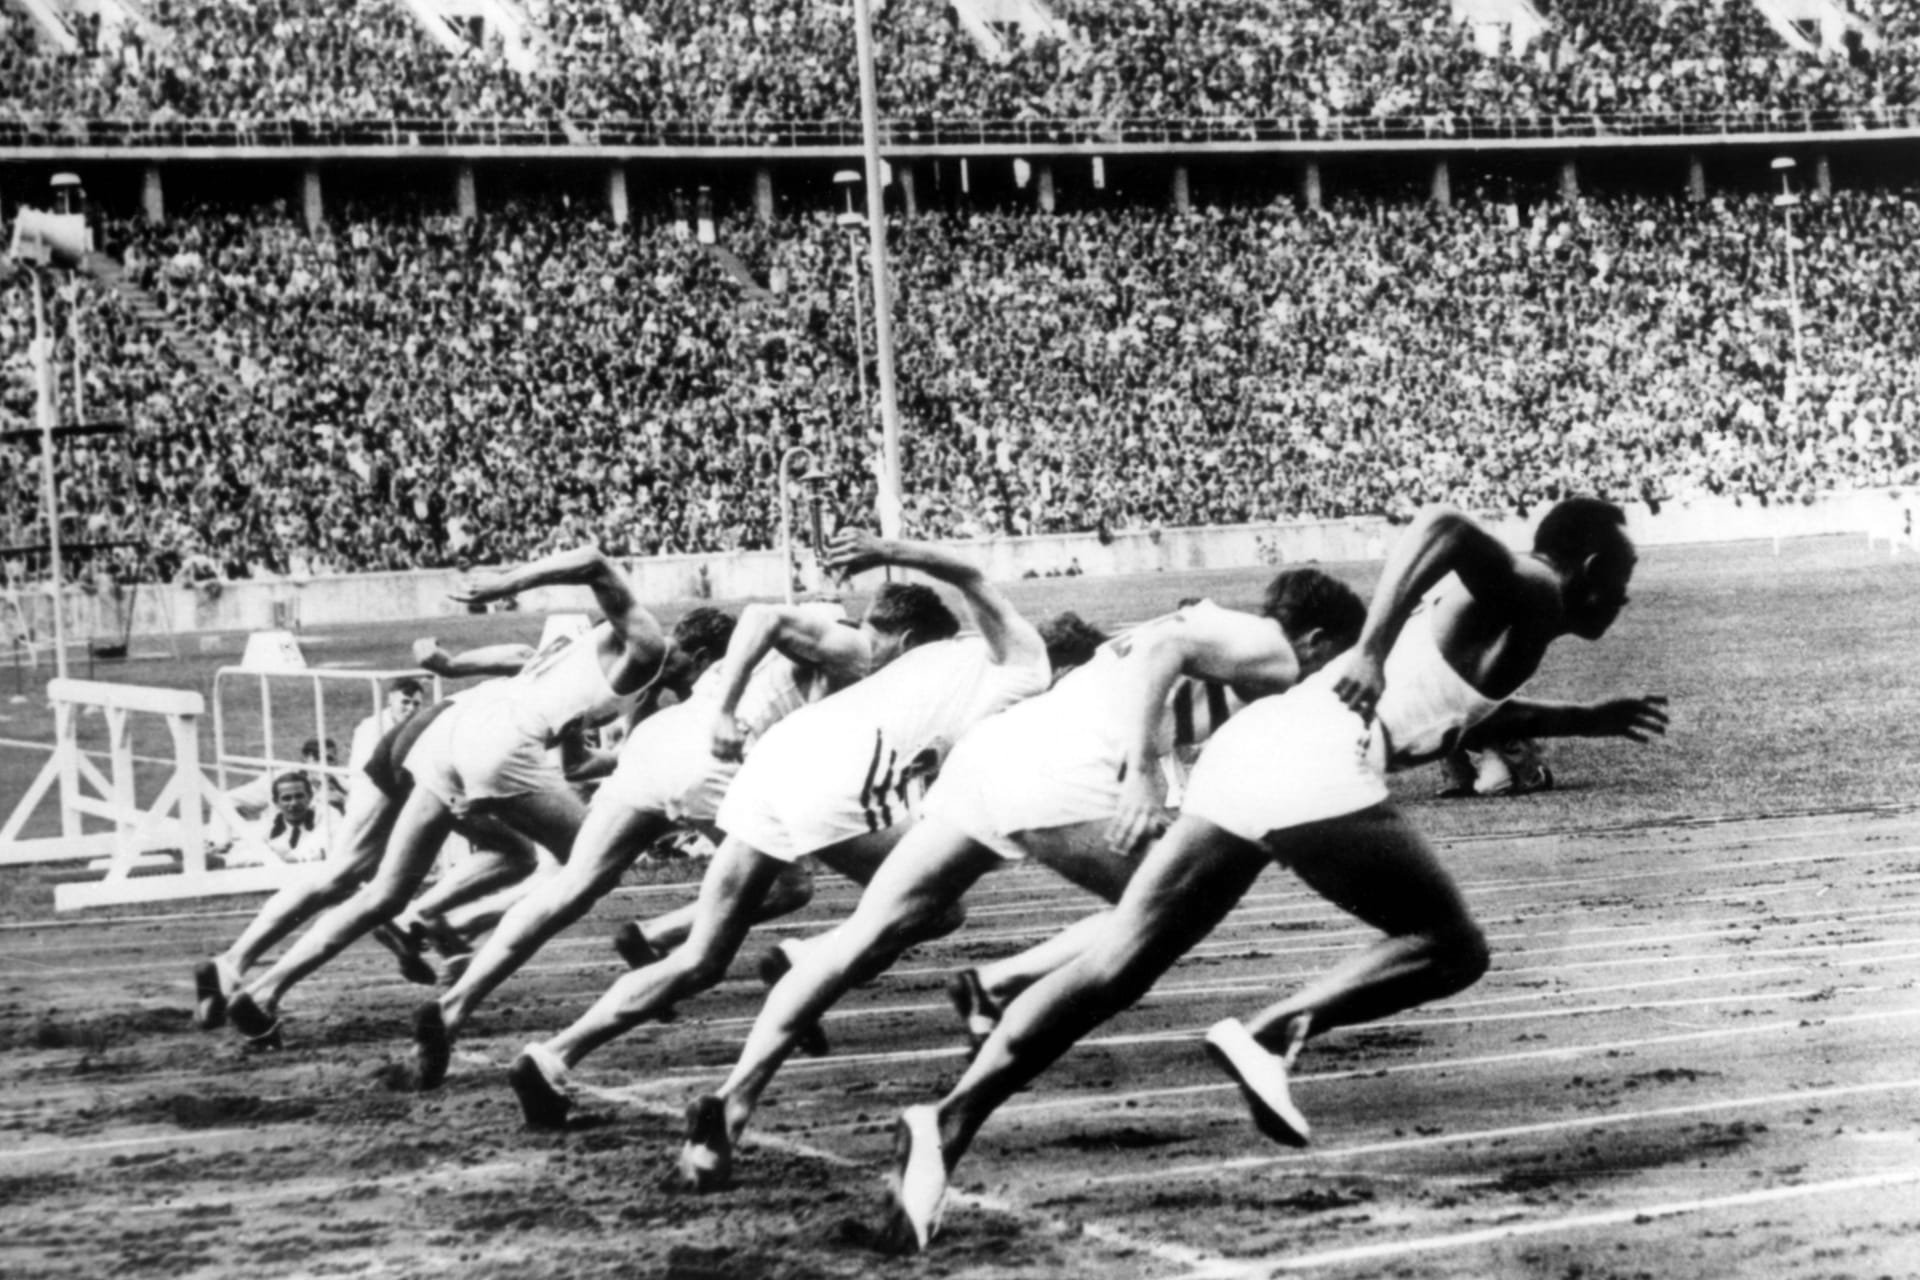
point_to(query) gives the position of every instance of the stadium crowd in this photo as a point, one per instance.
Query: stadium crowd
(423, 391)
(1324, 67)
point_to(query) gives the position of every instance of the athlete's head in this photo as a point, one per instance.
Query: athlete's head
(293, 795)
(1320, 614)
(404, 697)
(1585, 540)
(702, 634)
(1071, 640)
(905, 614)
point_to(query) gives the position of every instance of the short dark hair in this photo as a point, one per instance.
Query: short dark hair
(409, 686)
(310, 750)
(1576, 528)
(1305, 598)
(1071, 639)
(306, 783)
(703, 629)
(913, 609)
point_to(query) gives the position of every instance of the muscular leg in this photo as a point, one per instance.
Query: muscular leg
(471, 898)
(786, 895)
(358, 842)
(735, 882)
(1193, 876)
(418, 831)
(613, 835)
(1080, 854)
(910, 898)
(1376, 866)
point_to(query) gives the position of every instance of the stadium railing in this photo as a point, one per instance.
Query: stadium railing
(55, 134)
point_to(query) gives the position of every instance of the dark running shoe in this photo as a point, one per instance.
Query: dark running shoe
(633, 946)
(413, 966)
(979, 1011)
(637, 953)
(432, 1047)
(209, 996)
(260, 1029)
(775, 965)
(539, 1080)
(706, 1158)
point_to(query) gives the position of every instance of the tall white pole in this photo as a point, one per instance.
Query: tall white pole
(890, 497)
(47, 414)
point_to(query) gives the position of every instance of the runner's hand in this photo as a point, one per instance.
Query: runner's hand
(729, 742)
(851, 551)
(1361, 684)
(1138, 819)
(1635, 719)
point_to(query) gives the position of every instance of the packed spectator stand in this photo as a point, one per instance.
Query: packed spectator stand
(654, 71)
(424, 391)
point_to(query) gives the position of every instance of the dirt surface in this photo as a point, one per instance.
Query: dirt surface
(1693, 1057)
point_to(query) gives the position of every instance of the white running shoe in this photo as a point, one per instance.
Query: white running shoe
(1262, 1078)
(917, 1186)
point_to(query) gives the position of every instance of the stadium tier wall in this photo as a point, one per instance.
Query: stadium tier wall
(295, 602)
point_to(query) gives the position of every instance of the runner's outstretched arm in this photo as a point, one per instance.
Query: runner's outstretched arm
(1637, 719)
(1009, 636)
(810, 635)
(637, 632)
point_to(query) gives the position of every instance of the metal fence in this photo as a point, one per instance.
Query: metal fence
(932, 134)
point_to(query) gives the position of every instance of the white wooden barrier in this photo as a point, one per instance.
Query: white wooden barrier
(173, 823)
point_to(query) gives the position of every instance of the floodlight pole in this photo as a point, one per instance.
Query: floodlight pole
(46, 416)
(890, 498)
(1787, 201)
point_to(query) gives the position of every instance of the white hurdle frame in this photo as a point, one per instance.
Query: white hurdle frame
(274, 761)
(175, 820)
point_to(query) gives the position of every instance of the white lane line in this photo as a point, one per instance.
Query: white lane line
(1573, 1222)
(196, 1137)
(1191, 1035)
(1604, 1120)
(1110, 1101)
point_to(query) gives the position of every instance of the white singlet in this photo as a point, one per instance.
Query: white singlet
(496, 747)
(1305, 757)
(854, 763)
(667, 762)
(564, 682)
(1058, 760)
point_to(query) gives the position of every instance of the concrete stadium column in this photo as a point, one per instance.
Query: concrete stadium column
(1181, 193)
(1043, 184)
(313, 204)
(1569, 181)
(1696, 178)
(465, 202)
(909, 187)
(618, 207)
(153, 197)
(1312, 192)
(1823, 176)
(763, 193)
(1441, 190)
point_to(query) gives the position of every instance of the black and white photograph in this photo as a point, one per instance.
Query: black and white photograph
(993, 639)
